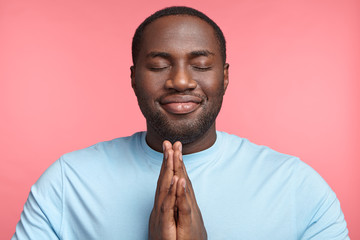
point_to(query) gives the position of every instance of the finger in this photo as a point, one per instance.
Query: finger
(178, 155)
(168, 206)
(164, 162)
(179, 166)
(166, 173)
(183, 203)
(167, 147)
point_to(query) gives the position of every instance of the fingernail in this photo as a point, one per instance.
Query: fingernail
(180, 148)
(172, 181)
(180, 157)
(166, 155)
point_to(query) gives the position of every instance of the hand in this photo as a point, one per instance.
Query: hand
(175, 214)
(189, 221)
(162, 223)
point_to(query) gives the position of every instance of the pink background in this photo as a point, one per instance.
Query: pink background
(65, 85)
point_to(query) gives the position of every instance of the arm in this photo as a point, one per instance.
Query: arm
(41, 216)
(319, 207)
(328, 222)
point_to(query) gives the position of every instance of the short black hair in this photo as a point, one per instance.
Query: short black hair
(176, 10)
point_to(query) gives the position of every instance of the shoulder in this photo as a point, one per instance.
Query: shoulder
(255, 154)
(85, 161)
(103, 151)
(116, 144)
(82, 163)
(277, 166)
(316, 206)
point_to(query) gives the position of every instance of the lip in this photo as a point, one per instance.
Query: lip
(180, 104)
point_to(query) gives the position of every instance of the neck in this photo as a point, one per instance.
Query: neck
(155, 141)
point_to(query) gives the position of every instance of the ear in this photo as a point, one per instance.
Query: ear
(132, 76)
(226, 76)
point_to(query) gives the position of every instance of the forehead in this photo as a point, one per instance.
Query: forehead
(179, 32)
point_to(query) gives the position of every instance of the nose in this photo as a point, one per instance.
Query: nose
(180, 80)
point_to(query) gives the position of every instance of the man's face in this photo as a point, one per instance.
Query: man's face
(179, 78)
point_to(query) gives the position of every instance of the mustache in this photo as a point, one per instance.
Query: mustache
(185, 93)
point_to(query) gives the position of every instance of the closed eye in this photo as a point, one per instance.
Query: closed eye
(198, 68)
(157, 69)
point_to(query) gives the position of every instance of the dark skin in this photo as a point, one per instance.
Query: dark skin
(176, 214)
(179, 75)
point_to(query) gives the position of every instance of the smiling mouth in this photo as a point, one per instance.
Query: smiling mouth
(180, 104)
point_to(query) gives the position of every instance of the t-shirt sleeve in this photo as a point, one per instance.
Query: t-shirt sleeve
(323, 218)
(42, 213)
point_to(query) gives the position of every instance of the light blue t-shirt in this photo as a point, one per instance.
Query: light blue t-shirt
(244, 191)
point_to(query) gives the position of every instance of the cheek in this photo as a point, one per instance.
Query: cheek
(148, 85)
(212, 84)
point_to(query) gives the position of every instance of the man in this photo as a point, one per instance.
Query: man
(238, 190)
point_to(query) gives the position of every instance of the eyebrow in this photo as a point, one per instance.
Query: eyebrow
(158, 54)
(192, 54)
(200, 53)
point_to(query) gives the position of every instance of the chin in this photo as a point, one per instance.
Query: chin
(184, 131)
(184, 138)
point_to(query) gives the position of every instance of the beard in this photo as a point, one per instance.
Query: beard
(184, 130)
